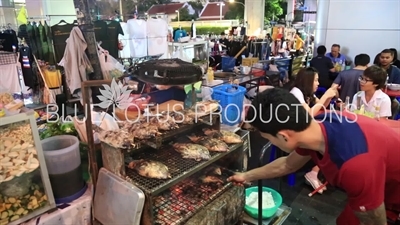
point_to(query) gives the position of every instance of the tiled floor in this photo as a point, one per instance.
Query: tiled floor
(317, 210)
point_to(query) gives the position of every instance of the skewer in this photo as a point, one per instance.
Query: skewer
(317, 189)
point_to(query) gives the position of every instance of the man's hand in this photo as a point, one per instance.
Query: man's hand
(373, 217)
(238, 179)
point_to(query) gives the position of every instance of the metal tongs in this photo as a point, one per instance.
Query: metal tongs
(231, 173)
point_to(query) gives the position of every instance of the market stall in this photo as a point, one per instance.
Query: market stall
(168, 156)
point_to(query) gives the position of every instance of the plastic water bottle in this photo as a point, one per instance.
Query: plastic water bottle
(347, 103)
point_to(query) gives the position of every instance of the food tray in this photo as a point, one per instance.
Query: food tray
(28, 194)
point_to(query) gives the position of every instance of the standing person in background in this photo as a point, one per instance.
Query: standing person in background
(337, 58)
(299, 44)
(324, 67)
(305, 85)
(376, 60)
(224, 42)
(385, 62)
(396, 61)
(348, 81)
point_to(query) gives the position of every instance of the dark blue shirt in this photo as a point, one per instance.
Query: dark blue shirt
(394, 75)
(339, 60)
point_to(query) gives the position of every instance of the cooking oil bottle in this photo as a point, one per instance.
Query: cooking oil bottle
(210, 74)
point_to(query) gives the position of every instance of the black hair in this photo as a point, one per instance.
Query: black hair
(277, 109)
(222, 33)
(362, 60)
(387, 51)
(394, 54)
(305, 82)
(321, 50)
(272, 61)
(377, 75)
(376, 60)
(336, 45)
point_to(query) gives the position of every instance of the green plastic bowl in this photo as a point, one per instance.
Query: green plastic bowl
(268, 212)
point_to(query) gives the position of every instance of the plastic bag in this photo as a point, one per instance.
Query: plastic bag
(110, 67)
(5, 96)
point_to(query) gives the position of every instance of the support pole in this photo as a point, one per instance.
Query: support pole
(85, 24)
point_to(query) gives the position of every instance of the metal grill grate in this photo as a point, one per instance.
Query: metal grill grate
(183, 201)
(178, 167)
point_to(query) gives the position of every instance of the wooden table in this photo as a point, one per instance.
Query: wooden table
(392, 93)
(395, 124)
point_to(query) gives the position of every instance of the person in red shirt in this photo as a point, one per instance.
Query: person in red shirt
(355, 153)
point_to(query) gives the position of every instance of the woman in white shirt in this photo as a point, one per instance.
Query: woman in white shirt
(371, 101)
(305, 85)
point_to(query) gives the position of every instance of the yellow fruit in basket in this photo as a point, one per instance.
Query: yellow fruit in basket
(2, 113)
(36, 115)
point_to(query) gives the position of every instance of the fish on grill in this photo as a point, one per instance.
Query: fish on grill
(164, 122)
(226, 136)
(211, 179)
(116, 138)
(192, 151)
(184, 117)
(212, 144)
(213, 170)
(143, 130)
(150, 169)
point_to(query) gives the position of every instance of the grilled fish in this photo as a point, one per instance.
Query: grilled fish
(211, 179)
(164, 122)
(184, 117)
(150, 169)
(213, 170)
(192, 151)
(143, 130)
(116, 138)
(212, 144)
(226, 136)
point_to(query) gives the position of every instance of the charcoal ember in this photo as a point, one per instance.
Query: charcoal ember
(159, 200)
(188, 189)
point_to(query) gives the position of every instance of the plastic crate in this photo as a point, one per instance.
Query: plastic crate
(228, 64)
(231, 103)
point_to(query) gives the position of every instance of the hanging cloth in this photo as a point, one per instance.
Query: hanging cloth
(26, 60)
(38, 42)
(43, 42)
(51, 59)
(22, 16)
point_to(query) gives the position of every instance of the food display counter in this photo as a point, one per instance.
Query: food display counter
(25, 190)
